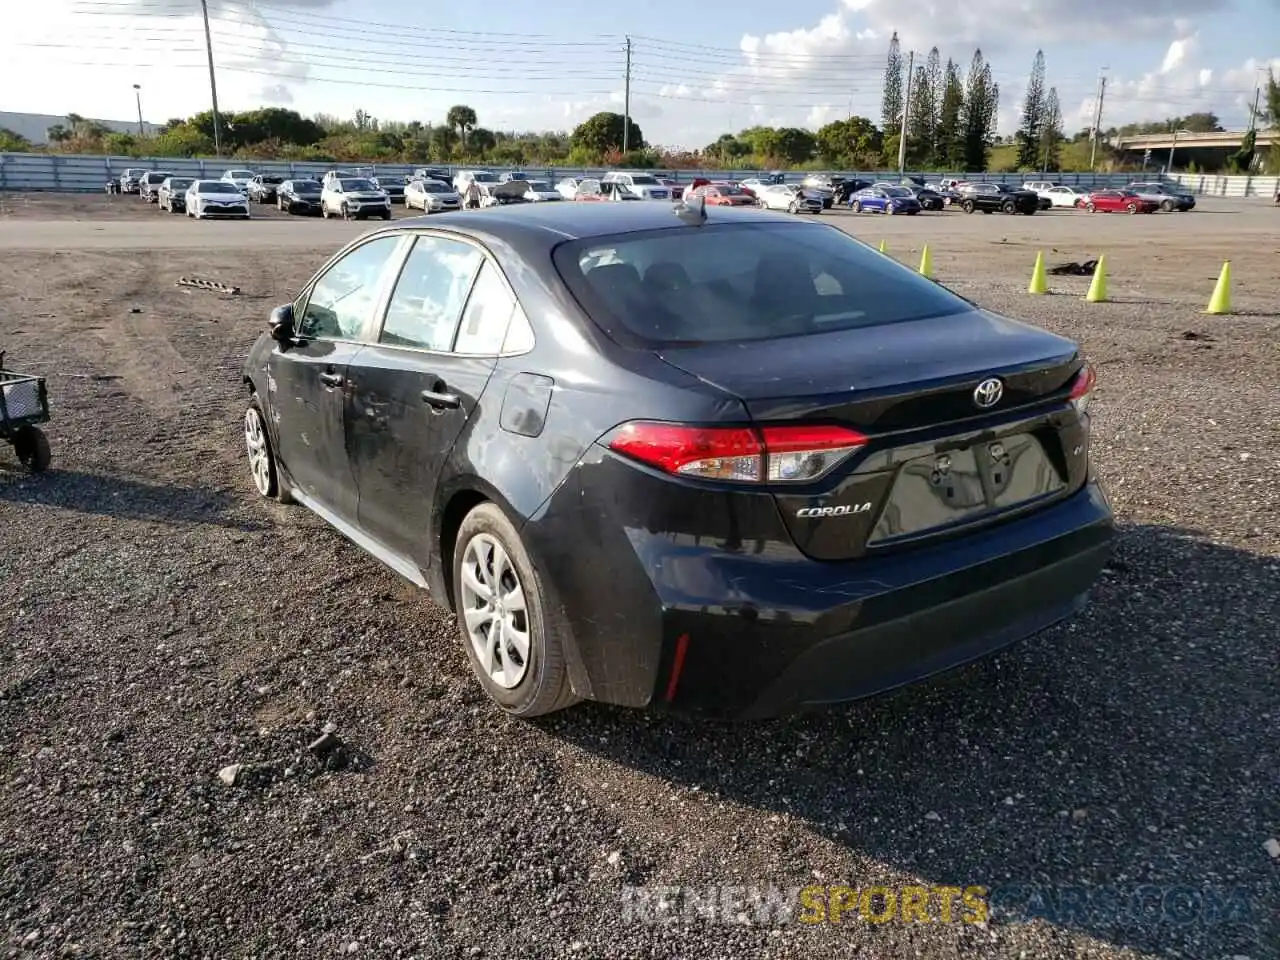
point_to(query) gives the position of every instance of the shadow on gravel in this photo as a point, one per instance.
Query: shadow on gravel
(1114, 776)
(122, 499)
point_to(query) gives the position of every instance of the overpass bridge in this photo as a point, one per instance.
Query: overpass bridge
(1227, 141)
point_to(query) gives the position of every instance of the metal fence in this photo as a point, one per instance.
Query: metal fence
(65, 173)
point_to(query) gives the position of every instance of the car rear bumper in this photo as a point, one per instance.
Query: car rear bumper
(699, 623)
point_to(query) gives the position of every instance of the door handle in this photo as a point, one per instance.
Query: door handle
(331, 379)
(441, 401)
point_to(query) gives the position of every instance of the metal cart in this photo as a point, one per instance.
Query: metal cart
(24, 402)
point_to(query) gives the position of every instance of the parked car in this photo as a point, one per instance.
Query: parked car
(568, 187)
(149, 185)
(1062, 196)
(645, 186)
(131, 178)
(789, 197)
(820, 186)
(431, 196)
(208, 199)
(677, 191)
(992, 197)
(464, 177)
(1168, 196)
(299, 196)
(928, 199)
(264, 187)
(528, 191)
(390, 184)
(354, 198)
(720, 194)
(573, 447)
(241, 179)
(593, 191)
(885, 198)
(1119, 201)
(510, 175)
(172, 195)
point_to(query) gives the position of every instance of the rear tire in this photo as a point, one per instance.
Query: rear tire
(1091, 208)
(514, 648)
(1009, 207)
(1168, 206)
(1132, 207)
(32, 448)
(968, 206)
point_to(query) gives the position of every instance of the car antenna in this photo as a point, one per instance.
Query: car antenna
(694, 214)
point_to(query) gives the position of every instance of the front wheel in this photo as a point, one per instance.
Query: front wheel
(968, 206)
(515, 651)
(1167, 206)
(1091, 208)
(32, 448)
(262, 458)
(856, 206)
(1008, 207)
(1131, 207)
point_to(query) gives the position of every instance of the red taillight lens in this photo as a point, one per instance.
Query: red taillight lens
(1082, 388)
(737, 454)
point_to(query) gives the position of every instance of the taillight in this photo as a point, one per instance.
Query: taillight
(1082, 388)
(780, 454)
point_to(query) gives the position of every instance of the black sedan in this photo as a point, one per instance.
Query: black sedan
(299, 196)
(723, 461)
(929, 199)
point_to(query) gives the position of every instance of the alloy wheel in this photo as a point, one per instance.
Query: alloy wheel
(255, 442)
(493, 609)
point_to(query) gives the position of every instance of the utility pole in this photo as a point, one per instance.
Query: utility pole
(137, 95)
(213, 80)
(1253, 117)
(1097, 119)
(906, 111)
(626, 103)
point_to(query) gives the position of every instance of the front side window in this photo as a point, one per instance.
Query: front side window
(427, 303)
(343, 299)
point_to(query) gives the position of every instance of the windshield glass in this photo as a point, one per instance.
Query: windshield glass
(484, 176)
(733, 283)
(157, 177)
(539, 186)
(305, 186)
(273, 179)
(898, 192)
(239, 174)
(432, 186)
(179, 184)
(217, 186)
(644, 180)
(357, 185)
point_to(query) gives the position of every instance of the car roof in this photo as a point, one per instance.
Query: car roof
(545, 225)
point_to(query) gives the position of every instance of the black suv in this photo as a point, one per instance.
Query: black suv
(990, 197)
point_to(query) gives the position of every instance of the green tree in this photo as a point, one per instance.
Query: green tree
(921, 121)
(602, 132)
(849, 143)
(795, 145)
(763, 141)
(891, 97)
(950, 135)
(1029, 134)
(11, 142)
(1051, 133)
(978, 119)
(481, 141)
(463, 119)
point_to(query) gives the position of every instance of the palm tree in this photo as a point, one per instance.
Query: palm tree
(461, 118)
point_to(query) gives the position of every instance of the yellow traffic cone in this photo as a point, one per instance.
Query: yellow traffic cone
(1220, 302)
(883, 248)
(926, 262)
(1098, 287)
(1038, 283)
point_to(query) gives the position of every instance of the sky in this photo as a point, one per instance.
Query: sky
(695, 72)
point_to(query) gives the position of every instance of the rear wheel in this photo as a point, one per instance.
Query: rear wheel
(968, 206)
(793, 207)
(1090, 207)
(1168, 206)
(502, 615)
(1009, 207)
(1131, 207)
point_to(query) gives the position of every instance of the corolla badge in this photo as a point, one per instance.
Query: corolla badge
(988, 393)
(844, 510)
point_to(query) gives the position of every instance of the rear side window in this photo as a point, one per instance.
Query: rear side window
(488, 312)
(427, 303)
(738, 282)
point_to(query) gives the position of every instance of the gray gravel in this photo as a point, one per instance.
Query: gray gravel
(160, 625)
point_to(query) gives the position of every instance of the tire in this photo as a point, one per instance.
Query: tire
(856, 206)
(793, 208)
(1009, 207)
(968, 206)
(32, 448)
(324, 212)
(387, 215)
(263, 467)
(890, 209)
(346, 212)
(532, 682)
(1091, 208)
(1131, 207)
(1167, 206)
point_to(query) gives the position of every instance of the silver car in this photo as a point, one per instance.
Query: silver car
(1170, 196)
(354, 198)
(431, 196)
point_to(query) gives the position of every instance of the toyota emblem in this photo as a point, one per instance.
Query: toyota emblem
(988, 393)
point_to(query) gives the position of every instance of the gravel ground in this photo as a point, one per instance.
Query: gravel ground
(160, 623)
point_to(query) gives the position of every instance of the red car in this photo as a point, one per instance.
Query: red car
(725, 195)
(1118, 201)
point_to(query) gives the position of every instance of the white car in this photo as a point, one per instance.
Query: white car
(431, 196)
(568, 187)
(537, 190)
(644, 186)
(354, 198)
(241, 178)
(788, 197)
(464, 177)
(1060, 196)
(207, 199)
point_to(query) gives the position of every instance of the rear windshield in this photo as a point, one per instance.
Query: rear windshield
(736, 282)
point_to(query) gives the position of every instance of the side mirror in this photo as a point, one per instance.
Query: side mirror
(282, 329)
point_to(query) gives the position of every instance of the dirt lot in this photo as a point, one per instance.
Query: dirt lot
(160, 623)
